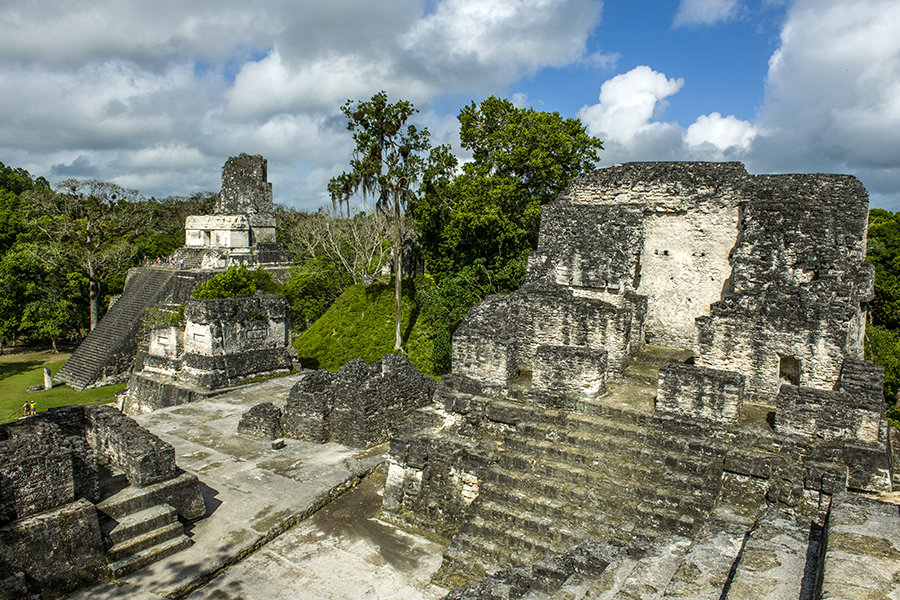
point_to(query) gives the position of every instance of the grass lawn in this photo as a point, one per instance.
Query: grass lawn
(19, 372)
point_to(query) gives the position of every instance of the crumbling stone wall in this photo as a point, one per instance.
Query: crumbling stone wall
(799, 283)
(224, 342)
(689, 391)
(360, 405)
(567, 374)
(762, 278)
(50, 485)
(851, 413)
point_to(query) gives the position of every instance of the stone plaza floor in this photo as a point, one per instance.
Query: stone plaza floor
(266, 534)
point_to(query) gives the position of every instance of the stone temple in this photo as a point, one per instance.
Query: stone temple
(240, 231)
(673, 405)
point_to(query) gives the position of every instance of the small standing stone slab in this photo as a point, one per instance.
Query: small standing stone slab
(263, 420)
(48, 379)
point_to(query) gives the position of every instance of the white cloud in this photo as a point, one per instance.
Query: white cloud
(833, 93)
(626, 117)
(720, 132)
(117, 89)
(483, 40)
(705, 12)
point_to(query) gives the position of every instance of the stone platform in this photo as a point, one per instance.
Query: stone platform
(252, 492)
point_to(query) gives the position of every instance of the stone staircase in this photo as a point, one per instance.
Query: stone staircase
(107, 351)
(138, 531)
(731, 557)
(563, 478)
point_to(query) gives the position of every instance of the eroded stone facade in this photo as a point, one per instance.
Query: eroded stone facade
(222, 343)
(57, 511)
(242, 228)
(701, 330)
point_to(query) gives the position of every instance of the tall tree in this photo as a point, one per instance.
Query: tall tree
(387, 164)
(490, 211)
(477, 224)
(88, 228)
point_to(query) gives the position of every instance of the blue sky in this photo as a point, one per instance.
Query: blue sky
(156, 97)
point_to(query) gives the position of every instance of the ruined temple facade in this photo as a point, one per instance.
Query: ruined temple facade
(86, 494)
(221, 343)
(688, 337)
(242, 228)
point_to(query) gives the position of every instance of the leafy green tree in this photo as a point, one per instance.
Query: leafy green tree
(237, 281)
(88, 227)
(387, 164)
(490, 211)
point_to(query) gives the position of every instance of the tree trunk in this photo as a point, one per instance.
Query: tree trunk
(398, 276)
(95, 302)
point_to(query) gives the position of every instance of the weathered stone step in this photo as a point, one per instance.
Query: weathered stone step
(646, 578)
(133, 499)
(557, 480)
(863, 540)
(667, 454)
(115, 332)
(706, 567)
(139, 523)
(145, 540)
(550, 533)
(774, 559)
(617, 424)
(568, 463)
(520, 547)
(620, 516)
(132, 563)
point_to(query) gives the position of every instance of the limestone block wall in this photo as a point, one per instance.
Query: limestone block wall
(569, 373)
(798, 287)
(166, 342)
(36, 474)
(235, 325)
(684, 266)
(245, 189)
(758, 346)
(590, 246)
(852, 412)
(484, 345)
(59, 550)
(688, 391)
(143, 457)
(559, 319)
(360, 405)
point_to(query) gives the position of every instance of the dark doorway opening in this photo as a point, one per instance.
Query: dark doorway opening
(789, 370)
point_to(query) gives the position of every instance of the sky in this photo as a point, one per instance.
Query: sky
(156, 96)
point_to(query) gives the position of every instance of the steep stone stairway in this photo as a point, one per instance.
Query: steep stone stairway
(108, 349)
(565, 477)
(732, 556)
(138, 530)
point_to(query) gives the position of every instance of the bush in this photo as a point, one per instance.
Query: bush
(237, 281)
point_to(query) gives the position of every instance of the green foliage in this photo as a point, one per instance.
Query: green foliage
(883, 329)
(361, 324)
(490, 211)
(444, 305)
(237, 281)
(884, 253)
(883, 348)
(312, 288)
